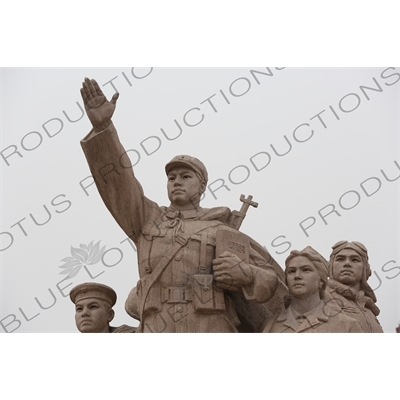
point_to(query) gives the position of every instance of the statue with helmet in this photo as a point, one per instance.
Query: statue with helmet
(349, 271)
(197, 272)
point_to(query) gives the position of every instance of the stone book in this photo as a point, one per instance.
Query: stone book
(233, 241)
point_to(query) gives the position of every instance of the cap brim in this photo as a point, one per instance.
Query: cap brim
(177, 164)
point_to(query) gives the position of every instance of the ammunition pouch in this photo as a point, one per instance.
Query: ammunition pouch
(206, 297)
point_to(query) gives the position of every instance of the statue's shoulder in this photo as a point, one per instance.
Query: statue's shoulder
(221, 214)
(123, 329)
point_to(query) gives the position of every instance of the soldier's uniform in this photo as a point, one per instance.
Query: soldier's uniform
(122, 329)
(355, 304)
(175, 249)
(321, 319)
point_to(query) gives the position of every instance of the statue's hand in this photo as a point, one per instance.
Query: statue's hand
(231, 273)
(98, 109)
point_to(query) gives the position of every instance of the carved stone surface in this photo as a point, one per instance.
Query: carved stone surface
(183, 286)
(349, 271)
(93, 309)
(306, 309)
(198, 273)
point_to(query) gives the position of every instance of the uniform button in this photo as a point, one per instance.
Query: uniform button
(147, 269)
(178, 257)
(179, 309)
(178, 282)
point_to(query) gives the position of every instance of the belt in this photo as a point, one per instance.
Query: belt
(176, 295)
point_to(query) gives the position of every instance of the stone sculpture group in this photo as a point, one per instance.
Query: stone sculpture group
(198, 272)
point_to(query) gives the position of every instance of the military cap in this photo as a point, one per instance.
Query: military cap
(188, 161)
(92, 290)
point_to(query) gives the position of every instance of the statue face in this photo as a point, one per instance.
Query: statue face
(93, 316)
(302, 277)
(184, 188)
(348, 267)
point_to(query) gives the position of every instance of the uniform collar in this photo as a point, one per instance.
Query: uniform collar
(171, 213)
(352, 294)
(311, 318)
(205, 214)
(345, 290)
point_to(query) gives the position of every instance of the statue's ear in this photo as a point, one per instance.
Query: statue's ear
(202, 187)
(111, 314)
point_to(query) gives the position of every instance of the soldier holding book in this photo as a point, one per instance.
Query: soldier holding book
(184, 285)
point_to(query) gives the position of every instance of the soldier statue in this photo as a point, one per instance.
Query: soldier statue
(93, 309)
(349, 271)
(186, 284)
(306, 308)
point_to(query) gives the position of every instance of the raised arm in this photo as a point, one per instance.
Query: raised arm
(98, 109)
(110, 165)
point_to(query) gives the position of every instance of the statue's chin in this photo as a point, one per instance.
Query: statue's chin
(347, 280)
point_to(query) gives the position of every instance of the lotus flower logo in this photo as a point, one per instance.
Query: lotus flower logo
(81, 256)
